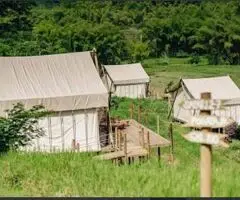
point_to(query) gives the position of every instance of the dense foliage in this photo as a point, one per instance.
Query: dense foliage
(20, 126)
(122, 30)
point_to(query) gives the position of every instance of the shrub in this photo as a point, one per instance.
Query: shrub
(20, 126)
(195, 59)
(238, 133)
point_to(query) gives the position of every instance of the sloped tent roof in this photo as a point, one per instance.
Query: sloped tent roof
(127, 74)
(60, 82)
(222, 87)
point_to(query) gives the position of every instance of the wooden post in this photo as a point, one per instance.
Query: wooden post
(159, 153)
(206, 160)
(78, 147)
(206, 157)
(116, 137)
(206, 138)
(145, 118)
(170, 132)
(120, 140)
(142, 132)
(158, 126)
(131, 110)
(139, 114)
(73, 144)
(125, 147)
(148, 144)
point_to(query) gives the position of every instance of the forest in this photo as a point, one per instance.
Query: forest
(122, 31)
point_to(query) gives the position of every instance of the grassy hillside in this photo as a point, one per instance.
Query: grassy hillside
(69, 174)
(164, 70)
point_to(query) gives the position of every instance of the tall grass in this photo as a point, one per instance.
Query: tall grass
(74, 174)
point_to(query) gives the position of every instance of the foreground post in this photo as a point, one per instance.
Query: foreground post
(206, 157)
(205, 122)
(206, 162)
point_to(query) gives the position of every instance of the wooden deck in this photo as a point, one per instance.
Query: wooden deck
(133, 151)
(134, 137)
(139, 140)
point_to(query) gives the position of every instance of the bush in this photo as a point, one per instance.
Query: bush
(195, 59)
(238, 133)
(20, 126)
(164, 59)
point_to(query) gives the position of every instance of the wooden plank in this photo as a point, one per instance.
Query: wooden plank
(206, 138)
(202, 104)
(155, 139)
(202, 121)
(131, 152)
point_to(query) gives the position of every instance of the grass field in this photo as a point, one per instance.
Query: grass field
(69, 174)
(162, 71)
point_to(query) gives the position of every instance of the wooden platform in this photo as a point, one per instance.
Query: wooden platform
(133, 130)
(137, 143)
(133, 151)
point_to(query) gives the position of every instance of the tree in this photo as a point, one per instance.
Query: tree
(20, 126)
(138, 51)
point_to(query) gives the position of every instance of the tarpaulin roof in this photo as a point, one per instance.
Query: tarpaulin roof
(60, 82)
(127, 74)
(220, 87)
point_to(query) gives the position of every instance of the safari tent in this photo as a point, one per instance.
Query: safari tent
(221, 88)
(69, 85)
(128, 80)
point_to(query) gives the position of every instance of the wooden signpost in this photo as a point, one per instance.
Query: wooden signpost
(205, 123)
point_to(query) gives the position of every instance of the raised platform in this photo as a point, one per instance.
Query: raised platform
(139, 140)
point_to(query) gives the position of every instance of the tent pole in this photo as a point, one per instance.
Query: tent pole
(50, 132)
(74, 130)
(169, 114)
(62, 131)
(86, 128)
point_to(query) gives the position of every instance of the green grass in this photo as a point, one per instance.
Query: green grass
(162, 73)
(73, 174)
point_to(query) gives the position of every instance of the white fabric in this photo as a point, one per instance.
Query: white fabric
(127, 74)
(220, 87)
(60, 139)
(235, 101)
(59, 82)
(131, 91)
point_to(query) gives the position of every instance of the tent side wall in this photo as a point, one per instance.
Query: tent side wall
(179, 113)
(231, 111)
(64, 127)
(138, 90)
(131, 90)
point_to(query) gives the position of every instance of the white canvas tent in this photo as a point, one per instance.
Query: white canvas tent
(129, 80)
(68, 84)
(221, 88)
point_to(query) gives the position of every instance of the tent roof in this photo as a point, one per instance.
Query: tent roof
(127, 73)
(60, 82)
(221, 87)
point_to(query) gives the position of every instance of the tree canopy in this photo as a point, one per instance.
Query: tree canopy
(122, 30)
